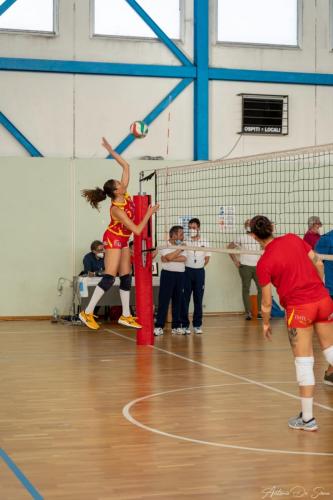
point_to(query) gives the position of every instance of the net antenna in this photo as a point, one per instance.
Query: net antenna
(286, 186)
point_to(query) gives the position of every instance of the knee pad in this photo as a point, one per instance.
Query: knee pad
(328, 353)
(125, 282)
(106, 282)
(304, 370)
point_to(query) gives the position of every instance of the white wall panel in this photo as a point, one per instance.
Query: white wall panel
(324, 118)
(48, 229)
(226, 119)
(9, 145)
(47, 107)
(41, 107)
(108, 106)
(36, 233)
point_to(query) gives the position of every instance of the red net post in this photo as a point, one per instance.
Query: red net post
(143, 274)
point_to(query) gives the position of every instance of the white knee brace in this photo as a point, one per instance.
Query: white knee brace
(328, 353)
(304, 370)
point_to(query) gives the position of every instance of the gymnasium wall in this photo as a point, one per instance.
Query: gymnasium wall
(65, 115)
(46, 226)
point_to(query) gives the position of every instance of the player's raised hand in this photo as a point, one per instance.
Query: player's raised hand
(107, 145)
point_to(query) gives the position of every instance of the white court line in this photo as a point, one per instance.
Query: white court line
(225, 372)
(128, 416)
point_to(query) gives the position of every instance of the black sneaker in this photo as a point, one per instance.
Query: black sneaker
(328, 378)
(248, 316)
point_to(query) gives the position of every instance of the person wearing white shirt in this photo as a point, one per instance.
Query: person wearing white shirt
(246, 264)
(194, 278)
(171, 282)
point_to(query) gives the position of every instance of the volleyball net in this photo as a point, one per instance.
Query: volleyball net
(288, 187)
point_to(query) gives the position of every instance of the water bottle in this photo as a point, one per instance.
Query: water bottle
(83, 287)
(55, 316)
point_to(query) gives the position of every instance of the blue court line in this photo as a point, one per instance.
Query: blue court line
(20, 476)
(6, 5)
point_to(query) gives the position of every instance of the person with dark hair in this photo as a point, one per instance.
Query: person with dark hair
(290, 264)
(246, 265)
(194, 277)
(171, 282)
(117, 254)
(313, 233)
(93, 262)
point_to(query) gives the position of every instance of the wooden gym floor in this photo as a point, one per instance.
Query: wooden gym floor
(89, 415)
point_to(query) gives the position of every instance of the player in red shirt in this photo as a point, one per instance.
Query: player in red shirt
(117, 254)
(291, 265)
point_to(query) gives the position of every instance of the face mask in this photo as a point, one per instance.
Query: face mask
(193, 233)
(178, 242)
(321, 230)
(100, 255)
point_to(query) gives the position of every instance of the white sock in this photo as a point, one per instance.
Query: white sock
(307, 409)
(125, 301)
(98, 293)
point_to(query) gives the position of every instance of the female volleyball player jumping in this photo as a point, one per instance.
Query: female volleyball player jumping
(117, 254)
(293, 268)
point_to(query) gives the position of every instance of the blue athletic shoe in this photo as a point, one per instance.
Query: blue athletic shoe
(298, 423)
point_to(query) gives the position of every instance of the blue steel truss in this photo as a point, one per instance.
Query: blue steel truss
(197, 72)
(5, 6)
(18, 136)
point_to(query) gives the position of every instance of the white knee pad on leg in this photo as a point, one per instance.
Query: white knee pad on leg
(328, 353)
(304, 370)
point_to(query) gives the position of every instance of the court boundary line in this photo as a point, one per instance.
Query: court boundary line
(132, 420)
(127, 415)
(20, 476)
(224, 372)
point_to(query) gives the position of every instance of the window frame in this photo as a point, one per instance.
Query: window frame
(135, 38)
(55, 32)
(264, 45)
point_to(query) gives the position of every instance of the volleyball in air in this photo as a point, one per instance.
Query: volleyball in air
(139, 129)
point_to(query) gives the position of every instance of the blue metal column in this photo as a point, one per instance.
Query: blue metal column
(201, 90)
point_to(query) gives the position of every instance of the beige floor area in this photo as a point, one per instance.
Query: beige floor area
(89, 415)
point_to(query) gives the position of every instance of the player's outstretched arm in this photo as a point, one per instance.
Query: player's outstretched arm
(120, 160)
(137, 229)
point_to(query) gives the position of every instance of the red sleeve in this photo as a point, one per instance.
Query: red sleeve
(263, 273)
(306, 245)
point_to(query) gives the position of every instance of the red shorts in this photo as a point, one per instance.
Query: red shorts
(305, 315)
(112, 241)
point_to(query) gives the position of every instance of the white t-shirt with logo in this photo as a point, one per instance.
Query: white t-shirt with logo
(246, 242)
(196, 259)
(178, 267)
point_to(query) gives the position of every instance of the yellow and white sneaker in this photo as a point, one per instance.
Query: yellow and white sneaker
(88, 319)
(129, 321)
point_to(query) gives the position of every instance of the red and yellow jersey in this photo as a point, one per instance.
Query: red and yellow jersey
(116, 227)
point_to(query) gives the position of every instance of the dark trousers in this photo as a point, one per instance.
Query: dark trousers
(171, 288)
(194, 283)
